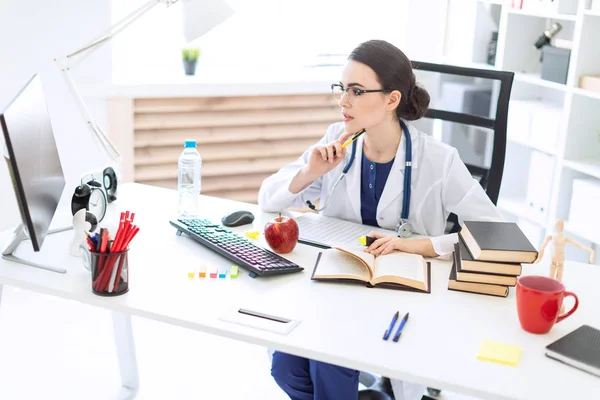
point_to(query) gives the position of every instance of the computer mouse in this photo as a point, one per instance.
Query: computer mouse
(238, 218)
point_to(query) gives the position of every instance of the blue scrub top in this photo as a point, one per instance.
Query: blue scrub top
(373, 178)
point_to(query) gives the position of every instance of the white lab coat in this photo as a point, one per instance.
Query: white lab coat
(441, 184)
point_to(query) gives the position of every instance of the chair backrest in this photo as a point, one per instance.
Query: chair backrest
(490, 177)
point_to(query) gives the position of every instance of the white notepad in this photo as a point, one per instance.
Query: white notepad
(330, 231)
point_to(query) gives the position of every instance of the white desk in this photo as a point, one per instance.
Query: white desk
(341, 324)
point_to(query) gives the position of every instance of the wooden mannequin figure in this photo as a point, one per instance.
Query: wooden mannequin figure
(558, 257)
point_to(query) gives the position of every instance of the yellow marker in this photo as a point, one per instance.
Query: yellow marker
(202, 272)
(366, 240)
(353, 138)
(499, 352)
(234, 272)
(252, 234)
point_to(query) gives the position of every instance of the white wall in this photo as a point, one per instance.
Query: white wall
(277, 36)
(32, 33)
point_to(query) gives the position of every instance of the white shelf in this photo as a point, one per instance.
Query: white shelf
(519, 208)
(592, 13)
(531, 145)
(462, 63)
(583, 232)
(535, 79)
(586, 93)
(543, 14)
(576, 151)
(590, 166)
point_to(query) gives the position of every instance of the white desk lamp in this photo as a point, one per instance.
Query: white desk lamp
(199, 17)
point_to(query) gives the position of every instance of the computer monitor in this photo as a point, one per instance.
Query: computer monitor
(34, 166)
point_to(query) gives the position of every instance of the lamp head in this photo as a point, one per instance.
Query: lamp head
(200, 16)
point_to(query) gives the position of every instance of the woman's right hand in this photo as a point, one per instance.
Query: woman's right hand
(324, 158)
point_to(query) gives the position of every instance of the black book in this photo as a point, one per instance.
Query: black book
(465, 275)
(468, 264)
(579, 349)
(472, 287)
(497, 241)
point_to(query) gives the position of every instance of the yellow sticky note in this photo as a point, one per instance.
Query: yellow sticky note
(499, 352)
(252, 234)
(191, 274)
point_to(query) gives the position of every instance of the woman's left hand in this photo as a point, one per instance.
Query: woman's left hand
(384, 244)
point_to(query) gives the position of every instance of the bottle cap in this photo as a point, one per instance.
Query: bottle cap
(190, 143)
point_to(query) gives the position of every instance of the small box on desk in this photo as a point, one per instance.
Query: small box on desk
(555, 64)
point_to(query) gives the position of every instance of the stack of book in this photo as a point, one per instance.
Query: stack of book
(488, 257)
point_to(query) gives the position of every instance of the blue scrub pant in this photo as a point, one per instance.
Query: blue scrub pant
(304, 379)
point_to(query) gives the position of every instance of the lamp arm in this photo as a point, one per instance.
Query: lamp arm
(104, 140)
(114, 30)
(67, 63)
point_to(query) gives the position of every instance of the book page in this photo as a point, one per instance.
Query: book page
(368, 259)
(338, 264)
(408, 267)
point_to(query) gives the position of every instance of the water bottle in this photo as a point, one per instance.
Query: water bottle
(189, 180)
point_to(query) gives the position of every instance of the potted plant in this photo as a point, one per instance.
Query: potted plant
(190, 58)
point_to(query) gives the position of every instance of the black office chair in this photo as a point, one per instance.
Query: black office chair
(490, 177)
(379, 388)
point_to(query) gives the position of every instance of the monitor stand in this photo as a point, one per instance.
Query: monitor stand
(15, 240)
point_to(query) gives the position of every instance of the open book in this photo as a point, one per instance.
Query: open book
(396, 270)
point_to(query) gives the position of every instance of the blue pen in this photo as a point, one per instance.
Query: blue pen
(399, 331)
(95, 242)
(387, 333)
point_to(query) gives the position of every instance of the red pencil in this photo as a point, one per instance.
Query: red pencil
(125, 246)
(124, 240)
(100, 263)
(119, 234)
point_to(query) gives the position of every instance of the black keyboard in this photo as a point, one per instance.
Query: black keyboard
(259, 261)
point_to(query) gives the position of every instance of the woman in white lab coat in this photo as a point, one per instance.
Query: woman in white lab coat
(378, 92)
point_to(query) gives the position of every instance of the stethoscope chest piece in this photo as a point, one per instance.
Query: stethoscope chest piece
(404, 229)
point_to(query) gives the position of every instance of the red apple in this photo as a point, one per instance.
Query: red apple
(281, 234)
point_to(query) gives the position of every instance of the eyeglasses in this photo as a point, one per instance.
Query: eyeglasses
(353, 93)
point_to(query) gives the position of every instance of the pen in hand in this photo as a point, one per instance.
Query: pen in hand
(351, 139)
(400, 327)
(387, 333)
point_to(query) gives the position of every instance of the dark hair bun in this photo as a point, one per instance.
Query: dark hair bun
(416, 104)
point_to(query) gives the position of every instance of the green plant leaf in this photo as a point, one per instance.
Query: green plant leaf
(190, 54)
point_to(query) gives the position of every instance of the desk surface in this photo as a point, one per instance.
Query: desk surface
(341, 324)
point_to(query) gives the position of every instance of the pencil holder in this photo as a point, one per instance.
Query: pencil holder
(109, 271)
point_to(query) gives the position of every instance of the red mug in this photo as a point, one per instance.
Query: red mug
(539, 299)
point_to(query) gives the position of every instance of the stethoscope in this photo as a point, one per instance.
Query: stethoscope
(403, 227)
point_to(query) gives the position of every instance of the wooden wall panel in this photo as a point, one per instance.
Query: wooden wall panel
(242, 140)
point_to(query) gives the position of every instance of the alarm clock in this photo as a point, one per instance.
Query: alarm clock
(90, 196)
